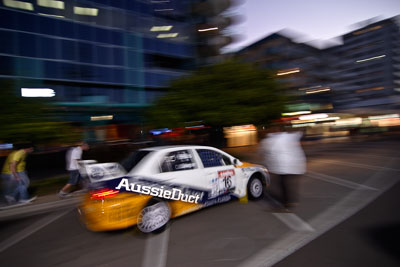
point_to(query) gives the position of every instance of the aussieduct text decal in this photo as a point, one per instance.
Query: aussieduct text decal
(158, 190)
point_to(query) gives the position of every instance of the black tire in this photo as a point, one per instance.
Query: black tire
(154, 217)
(255, 188)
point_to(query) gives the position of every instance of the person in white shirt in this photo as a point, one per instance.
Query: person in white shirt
(285, 157)
(74, 154)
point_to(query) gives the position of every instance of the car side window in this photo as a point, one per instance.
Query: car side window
(211, 158)
(178, 161)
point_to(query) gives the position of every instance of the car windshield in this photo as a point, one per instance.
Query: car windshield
(133, 159)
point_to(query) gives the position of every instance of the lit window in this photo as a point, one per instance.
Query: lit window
(51, 3)
(160, 28)
(86, 11)
(18, 4)
(167, 35)
(367, 30)
(102, 118)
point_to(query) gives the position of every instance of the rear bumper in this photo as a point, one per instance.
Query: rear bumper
(117, 212)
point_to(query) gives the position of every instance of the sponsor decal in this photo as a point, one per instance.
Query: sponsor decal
(162, 191)
(217, 200)
(226, 173)
(96, 173)
(223, 184)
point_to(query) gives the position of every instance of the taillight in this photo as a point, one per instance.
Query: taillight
(103, 193)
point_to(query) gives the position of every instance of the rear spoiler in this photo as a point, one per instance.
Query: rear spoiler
(97, 172)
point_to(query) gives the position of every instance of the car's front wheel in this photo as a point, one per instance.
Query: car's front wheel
(154, 217)
(255, 188)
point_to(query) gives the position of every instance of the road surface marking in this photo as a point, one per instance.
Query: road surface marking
(33, 228)
(325, 221)
(291, 220)
(359, 165)
(338, 181)
(373, 156)
(156, 249)
(294, 222)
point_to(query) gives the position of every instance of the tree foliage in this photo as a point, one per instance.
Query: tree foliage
(225, 94)
(26, 119)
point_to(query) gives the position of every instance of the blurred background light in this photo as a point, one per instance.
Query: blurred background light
(318, 91)
(37, 92)
(51, 15)
(288, 71)
(313, 116)
(102, 118)
(296, 113)
(6, 146)
(208, 29)
(371, 58)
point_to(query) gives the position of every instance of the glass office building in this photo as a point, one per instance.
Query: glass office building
(100, 57)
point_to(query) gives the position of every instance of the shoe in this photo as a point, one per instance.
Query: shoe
(63, 194)
(26, 201)
(291, 205)
(281, 210)
(10, 200)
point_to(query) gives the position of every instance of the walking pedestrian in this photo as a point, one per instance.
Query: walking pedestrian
(73, 155)
(15, 178)
(285, 158)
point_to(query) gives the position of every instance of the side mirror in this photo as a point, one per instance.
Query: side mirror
(236, 162)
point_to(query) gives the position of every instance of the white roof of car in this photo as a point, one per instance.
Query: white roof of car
(158, 148)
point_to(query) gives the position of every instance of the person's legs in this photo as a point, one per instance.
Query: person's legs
(8, 187)
(289, 190)
(73, 180)
(284, 188)
(294, 190)
(23, 186)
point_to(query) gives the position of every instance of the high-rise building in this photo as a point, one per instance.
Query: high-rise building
(362, 75)
(299, 68)
(365, 69)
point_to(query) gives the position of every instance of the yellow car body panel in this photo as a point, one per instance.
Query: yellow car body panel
(122, 210)
(112, 213)
(246, 165)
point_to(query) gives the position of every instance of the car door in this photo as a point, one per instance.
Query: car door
(219, 172)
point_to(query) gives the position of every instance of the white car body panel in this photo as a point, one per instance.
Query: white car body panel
(216, 180)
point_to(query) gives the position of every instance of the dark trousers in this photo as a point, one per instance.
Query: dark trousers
(289, 189)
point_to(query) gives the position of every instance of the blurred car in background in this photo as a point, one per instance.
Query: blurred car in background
(153, 185)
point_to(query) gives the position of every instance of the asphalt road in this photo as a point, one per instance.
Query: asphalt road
(347, 216)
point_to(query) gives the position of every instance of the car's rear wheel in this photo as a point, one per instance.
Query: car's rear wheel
(154, 217)
(255, 188)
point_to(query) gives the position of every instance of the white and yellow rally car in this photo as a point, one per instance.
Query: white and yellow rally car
(155, 184)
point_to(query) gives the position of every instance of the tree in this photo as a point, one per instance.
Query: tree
(226, 94)
(24, 120)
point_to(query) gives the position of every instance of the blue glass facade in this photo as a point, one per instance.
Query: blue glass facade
(100, 52)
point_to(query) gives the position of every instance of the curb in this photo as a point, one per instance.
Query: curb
(32, 209)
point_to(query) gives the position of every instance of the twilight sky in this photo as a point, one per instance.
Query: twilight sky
(313, 19)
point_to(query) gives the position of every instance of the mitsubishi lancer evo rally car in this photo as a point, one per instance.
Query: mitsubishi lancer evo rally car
(156, 184)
